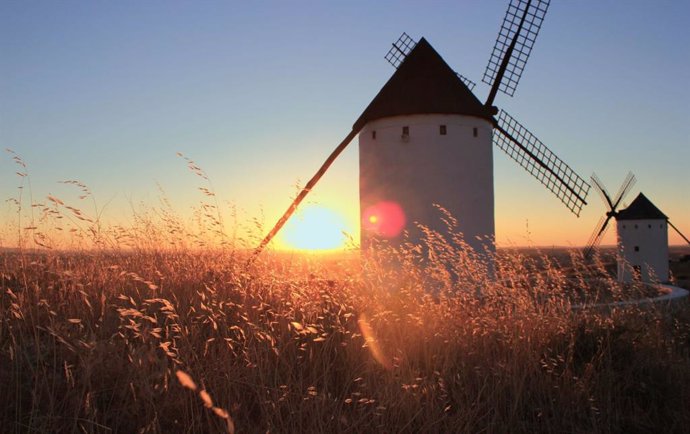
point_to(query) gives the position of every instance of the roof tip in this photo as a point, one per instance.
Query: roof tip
(641, 209)
(423, 84)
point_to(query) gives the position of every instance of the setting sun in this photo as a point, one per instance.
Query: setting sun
(316, 227)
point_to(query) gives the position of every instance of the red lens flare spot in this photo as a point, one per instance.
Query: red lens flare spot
(386, 219)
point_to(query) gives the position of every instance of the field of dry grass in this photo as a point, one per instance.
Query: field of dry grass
(104, 341)
(160, 327)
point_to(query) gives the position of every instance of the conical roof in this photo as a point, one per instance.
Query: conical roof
(641, 209)
(423, 83)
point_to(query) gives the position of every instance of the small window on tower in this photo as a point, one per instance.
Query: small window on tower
(635, 226)
(373, 135)
(406, 131)
(637, 248)
(623, 226)
(475, 131)
(649, 226)
(442, 130)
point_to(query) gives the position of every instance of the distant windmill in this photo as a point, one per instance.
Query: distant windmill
(642, 235)
(426, 139)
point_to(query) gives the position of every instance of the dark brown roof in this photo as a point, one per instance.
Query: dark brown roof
(641, 209)
(423, 83)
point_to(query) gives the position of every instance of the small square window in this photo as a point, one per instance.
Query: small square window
(406, 131)
(373, 134)
(442, 130)
(635, 226)
(649, 226)
(637, 248)
(623, 226)
(475, 132)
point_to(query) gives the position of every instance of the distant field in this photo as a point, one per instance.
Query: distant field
(195, 341)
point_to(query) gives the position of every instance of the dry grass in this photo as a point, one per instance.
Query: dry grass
(97, 341)
(150, 329)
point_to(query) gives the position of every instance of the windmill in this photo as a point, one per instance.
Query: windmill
(642, 234)
(426, 139)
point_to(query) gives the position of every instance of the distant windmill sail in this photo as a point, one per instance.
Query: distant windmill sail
(612, 205)
(678, 232)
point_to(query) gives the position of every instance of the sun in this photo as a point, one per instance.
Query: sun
(315, 228)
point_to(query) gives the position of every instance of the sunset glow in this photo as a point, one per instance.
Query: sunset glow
(315, 227)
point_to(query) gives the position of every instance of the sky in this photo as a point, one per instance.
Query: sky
(259, 93)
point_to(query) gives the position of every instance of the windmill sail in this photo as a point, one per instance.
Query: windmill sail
(625, 188)
(603, 192)
(513, 46)
(612, 204)
(530, 153)
(400, 49)
(596, 237)
(469, 83)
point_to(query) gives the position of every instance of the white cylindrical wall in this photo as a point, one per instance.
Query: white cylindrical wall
(427, 167)
(642, 250)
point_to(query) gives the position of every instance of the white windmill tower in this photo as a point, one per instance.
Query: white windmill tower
(642, 242)
(425, 140)
(642, 235)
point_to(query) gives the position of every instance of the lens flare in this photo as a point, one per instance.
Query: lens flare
(386, 219)
(372, 342)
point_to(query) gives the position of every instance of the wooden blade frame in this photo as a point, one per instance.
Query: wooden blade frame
(603, 192)
(530, 153)
(469, 83)
(597, 236)
(624, 189)
(400, 49)
(513, 46)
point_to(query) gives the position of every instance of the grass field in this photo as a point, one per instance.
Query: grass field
(183, 340)
(164, 326)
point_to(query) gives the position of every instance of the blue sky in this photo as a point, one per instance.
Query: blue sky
(259, 93)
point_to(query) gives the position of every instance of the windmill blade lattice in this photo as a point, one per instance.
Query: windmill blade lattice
(603, 192)
(530, 153)
(629, 181)
(469, 83)
(612, 204)
(519, 29)
(598, 235)
(400, 49)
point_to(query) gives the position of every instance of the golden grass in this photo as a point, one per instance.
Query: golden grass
(156, 328)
